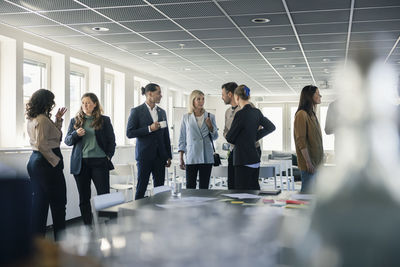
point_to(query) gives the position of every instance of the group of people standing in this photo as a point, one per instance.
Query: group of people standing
(92, 136)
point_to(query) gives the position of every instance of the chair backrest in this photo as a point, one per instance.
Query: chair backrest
(219, 171)
(107, 200)
(126, 171)
(160, 189)
(267, 171)
(123, 170)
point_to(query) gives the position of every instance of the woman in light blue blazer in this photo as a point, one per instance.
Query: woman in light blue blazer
(194, 141)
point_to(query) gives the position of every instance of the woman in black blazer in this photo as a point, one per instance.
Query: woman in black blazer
(244, 133)
(93, 138)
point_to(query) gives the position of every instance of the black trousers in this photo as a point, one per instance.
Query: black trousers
(49, 189)
(95, 169)
(145, 167)
(246, 178)
(231, 172)
(231, 169)
(204, 171)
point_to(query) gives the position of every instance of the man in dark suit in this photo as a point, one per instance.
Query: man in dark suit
(148, 123)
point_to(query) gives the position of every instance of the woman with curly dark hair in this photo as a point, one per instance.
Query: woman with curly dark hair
(45, 166)
(93, 138)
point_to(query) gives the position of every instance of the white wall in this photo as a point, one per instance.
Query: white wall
(13, 42)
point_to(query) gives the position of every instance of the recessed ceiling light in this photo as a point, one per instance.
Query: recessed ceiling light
(326, 70)
(187, 69)
(211, 80)
(226, 72)
(152, 53)
(260, 20)
(289, 66)
(100, 29)
(278, 48)
(326, 60)
(181, 45)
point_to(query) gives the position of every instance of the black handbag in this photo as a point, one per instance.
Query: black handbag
(217, 159)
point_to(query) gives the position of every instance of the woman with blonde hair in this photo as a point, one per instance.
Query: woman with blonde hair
(198, 130)
(244, 133)
(92, 136)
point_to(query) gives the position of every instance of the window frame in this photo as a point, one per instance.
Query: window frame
(108, 77)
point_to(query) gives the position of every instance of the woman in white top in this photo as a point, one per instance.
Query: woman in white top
(194, 141)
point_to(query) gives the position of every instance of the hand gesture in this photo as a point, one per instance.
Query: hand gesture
(60, 113)
(168, 163)
(182, 165)
(155, 126)
(310, 167)
(209, 124)
(81, 132)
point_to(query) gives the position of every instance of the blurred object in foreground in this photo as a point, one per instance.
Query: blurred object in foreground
(356, 219)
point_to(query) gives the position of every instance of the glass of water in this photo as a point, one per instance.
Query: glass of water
(176, 189)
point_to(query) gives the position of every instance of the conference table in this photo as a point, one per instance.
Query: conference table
(199, 228)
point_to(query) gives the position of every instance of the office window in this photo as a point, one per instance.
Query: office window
(35, 77)
(274, 141)
(36, 69)
(109, 96)
(78, 86)
(328, 140)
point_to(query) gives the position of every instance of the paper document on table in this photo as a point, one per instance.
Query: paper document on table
(185, 202)
(242, 196)
(192, 199)
(302, 196)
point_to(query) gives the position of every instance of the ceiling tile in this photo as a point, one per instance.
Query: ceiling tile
(144, 46)
(36, 5)
(108, 3)
(321, 17)
(131, 13)
(377, 14)
(10, 8)
(227, 42)
(295, 5)
(172, 35)
(268, 31)
(323, 38)
(121, 38)
(75, 40)
(87, 28)
(25, 20)
(198, 9)
(275, 20)
(53, 30)
(237, 7)
(214, 34)
(177, 44)
(323, 28)
(78, 16)
(149, 26)
(375, 3)
(201, 23)
(376, 26)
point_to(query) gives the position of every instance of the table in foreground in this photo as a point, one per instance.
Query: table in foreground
(156, 231)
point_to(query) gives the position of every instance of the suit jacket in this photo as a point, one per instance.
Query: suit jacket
(148, 144)
(105, 139)
(244, 133)
(195, 142)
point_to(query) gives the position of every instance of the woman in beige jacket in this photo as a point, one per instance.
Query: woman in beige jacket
(307, 136)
